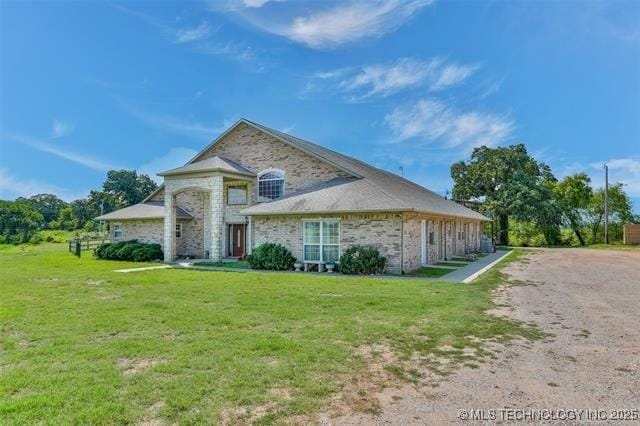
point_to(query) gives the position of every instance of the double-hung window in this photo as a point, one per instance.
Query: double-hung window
(178, 230)
(321, 241)
(117, 232)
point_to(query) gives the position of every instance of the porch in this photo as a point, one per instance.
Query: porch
(217, 230)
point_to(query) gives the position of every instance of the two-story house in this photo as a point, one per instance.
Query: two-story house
(254, 185)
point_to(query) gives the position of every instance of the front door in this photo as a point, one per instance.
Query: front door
(237, 240)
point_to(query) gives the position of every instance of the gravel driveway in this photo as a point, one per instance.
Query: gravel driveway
(589, 300)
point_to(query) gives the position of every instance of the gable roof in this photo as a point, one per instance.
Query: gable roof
(373, 190)
(210, 164)
(144, 210)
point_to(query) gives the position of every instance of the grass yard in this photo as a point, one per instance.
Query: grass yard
(454, 264)
(430, 272)
(234, 265)
(83, 344)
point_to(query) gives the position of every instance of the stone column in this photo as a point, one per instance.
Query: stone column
(217, 217)
(169, 226)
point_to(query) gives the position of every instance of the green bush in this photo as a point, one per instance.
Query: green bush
(362, 260)
(129, 250)
(275, 257)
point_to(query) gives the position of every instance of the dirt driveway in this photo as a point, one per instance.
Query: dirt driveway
(589, 300)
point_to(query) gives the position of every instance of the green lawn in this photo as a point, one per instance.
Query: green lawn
(430, 272)
(234, 265)
(450, 263)
(83, 344)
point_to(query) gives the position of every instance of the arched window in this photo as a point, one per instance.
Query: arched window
(270, 185)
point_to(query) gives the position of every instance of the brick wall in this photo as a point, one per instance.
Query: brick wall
(258, 151)
(146, 231)
(382, 231)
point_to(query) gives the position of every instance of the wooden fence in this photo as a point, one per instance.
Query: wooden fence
(86, 243)
(631, 233)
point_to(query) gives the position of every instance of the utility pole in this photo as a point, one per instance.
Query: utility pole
(401, 171)
(606, 204)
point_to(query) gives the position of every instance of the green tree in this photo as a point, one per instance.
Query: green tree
(128, 187)
(48, 205)
(574, 194)
(511, 183)
(619, 209)
(18, 220)
(67, 220)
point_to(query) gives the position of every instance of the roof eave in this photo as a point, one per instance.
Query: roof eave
(215, 169)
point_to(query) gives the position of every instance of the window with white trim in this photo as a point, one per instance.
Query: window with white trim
(321, 241)
(117, 231)
(236, 195)
(178, 230)
(270, 185)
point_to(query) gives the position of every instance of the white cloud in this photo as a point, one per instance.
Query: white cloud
(434, 120)
(13, 187)
(346, 22)
(189, 35)
(176, 157)
(61, 128)
(64, 153)
(625, 170)
(254, 3)
(403, 74)
(176, 125)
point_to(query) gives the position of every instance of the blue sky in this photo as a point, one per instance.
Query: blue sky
(86, 87)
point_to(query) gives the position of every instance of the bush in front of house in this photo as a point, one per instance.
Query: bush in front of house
(275, 257)
(129, 250)
(362, 260)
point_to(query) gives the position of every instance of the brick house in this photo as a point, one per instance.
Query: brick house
(254, 184)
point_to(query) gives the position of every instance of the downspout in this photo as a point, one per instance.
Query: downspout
(402, 245)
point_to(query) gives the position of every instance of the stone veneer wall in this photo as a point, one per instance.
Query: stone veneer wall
(381, 230)
(258, 151)
(192, 242)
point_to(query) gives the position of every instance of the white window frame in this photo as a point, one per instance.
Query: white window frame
(117, 231)
(264, 172)
(178, 230)
(321, 244)
(246, 194)
(423, 242)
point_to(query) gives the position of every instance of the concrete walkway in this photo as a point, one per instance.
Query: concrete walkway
(145, 268)
(473, 270)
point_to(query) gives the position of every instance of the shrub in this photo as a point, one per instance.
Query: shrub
(275, 257)
(362, 260)
(129, 250)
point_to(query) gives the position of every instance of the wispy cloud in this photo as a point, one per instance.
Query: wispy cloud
(344, 22)
(198, 38)
(65, 153)
(433, 121)
(61, 128)
(188, 35)
(406, 73)
(177, 125)
(176, 157)
(625, 170)
(12, 187)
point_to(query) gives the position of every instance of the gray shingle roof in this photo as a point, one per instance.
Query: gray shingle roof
(210, 164)
(146, 210)
(376, 190)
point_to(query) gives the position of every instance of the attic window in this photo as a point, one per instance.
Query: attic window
(270, 185)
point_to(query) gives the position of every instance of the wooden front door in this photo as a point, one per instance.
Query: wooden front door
(237, 240)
